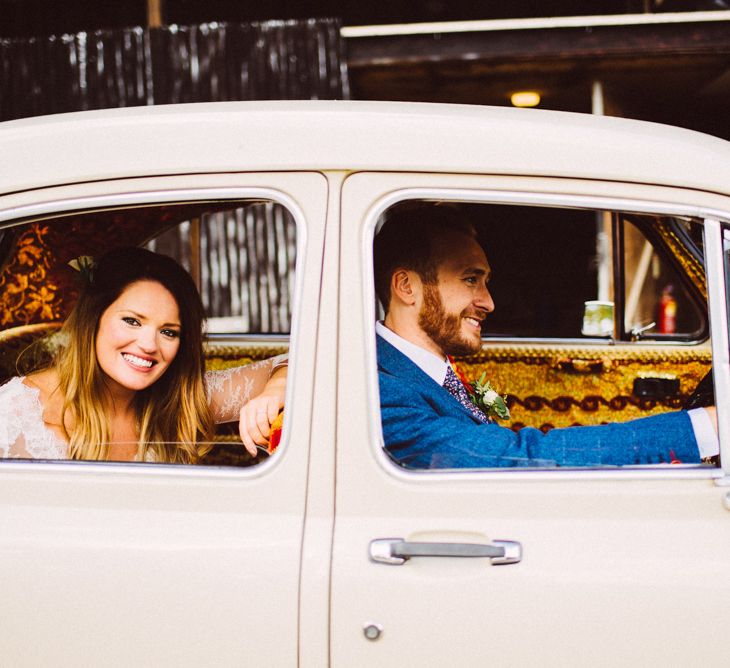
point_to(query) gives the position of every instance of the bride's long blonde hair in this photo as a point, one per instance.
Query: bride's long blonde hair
(173, 416)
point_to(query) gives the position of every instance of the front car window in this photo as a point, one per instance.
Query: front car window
(600, 317)
(557, 275)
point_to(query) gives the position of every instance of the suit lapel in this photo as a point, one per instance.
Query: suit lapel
(395, 363)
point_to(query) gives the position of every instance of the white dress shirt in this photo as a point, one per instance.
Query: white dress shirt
(430, 363)
(435, 367)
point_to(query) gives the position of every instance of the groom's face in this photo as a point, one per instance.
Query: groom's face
(453, 309)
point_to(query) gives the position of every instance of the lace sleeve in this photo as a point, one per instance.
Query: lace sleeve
(228, 390)
(22, 432)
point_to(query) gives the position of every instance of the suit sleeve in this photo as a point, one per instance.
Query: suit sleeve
(418, 434)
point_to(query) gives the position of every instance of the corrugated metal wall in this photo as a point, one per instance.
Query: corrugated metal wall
(247, 265)
(201, 63)
(248, 255)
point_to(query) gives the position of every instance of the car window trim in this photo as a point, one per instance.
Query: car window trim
(690, 289)
(716, 297)
(619, 278)
(487, 196)
(66, 206)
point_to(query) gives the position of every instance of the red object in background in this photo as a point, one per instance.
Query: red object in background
(667, 320)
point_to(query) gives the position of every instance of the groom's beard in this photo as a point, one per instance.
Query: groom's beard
(444, 329)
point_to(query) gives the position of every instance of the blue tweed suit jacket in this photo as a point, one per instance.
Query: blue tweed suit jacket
(424, 426)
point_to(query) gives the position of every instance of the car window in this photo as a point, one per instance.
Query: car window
(599, 317)
(243, 259)
(241, 255)
(661, 299)
(555, 273)
(560, 272)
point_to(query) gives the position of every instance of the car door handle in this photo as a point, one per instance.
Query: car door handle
(397, 551)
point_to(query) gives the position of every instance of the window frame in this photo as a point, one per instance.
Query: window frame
(714, 223)
(485, 195)
(620, 333)
(64, 206)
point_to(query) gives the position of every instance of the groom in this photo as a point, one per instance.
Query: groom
(432, 277)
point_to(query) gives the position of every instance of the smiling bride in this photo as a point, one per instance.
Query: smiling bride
(128, 382)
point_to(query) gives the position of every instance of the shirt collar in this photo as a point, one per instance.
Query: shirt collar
(430, 363)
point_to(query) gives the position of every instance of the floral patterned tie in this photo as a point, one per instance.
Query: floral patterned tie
(458, 391)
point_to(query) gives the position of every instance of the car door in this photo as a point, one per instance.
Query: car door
(151, 564)
(608, 567)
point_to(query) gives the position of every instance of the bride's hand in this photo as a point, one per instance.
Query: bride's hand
(257, 415)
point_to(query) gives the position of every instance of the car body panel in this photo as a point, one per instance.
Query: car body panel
(338, 136)
(152, 565)
(166, 564)
(579, 595)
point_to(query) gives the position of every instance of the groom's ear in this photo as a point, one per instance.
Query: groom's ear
(404, 286)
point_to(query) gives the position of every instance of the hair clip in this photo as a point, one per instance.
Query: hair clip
(85, 265)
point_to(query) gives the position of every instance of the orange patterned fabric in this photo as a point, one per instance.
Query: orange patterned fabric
(36, 283)
(561, 388)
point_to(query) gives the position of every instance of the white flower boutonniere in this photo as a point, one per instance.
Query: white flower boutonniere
(485, 397)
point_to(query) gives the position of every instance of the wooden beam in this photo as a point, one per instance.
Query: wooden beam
(569, 43)
(195, 266)
(154, 13)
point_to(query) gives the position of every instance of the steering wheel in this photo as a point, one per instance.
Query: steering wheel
(703, 395)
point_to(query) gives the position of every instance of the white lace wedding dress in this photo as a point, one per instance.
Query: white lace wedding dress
(24, 435)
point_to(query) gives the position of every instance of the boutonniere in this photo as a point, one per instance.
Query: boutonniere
(482, 394)
(488, 399)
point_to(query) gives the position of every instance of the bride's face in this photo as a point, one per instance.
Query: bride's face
(138, 336)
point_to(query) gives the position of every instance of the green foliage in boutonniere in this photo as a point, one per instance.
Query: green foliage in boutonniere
(485, 397)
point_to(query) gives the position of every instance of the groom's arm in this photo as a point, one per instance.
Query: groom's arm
(417, 435)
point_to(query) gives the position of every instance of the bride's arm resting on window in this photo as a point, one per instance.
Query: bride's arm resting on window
(252, 394)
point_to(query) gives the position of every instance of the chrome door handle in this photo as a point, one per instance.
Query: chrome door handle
(397, 551)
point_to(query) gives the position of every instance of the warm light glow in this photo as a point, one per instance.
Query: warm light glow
(525, 98)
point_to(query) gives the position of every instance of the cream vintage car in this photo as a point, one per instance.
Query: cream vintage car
(609, 241)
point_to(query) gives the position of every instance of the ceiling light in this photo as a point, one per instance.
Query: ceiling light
(525, 98)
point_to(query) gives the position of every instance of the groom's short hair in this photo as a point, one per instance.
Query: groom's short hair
(408, 240)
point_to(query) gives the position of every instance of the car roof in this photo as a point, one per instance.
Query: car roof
(354, 136)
